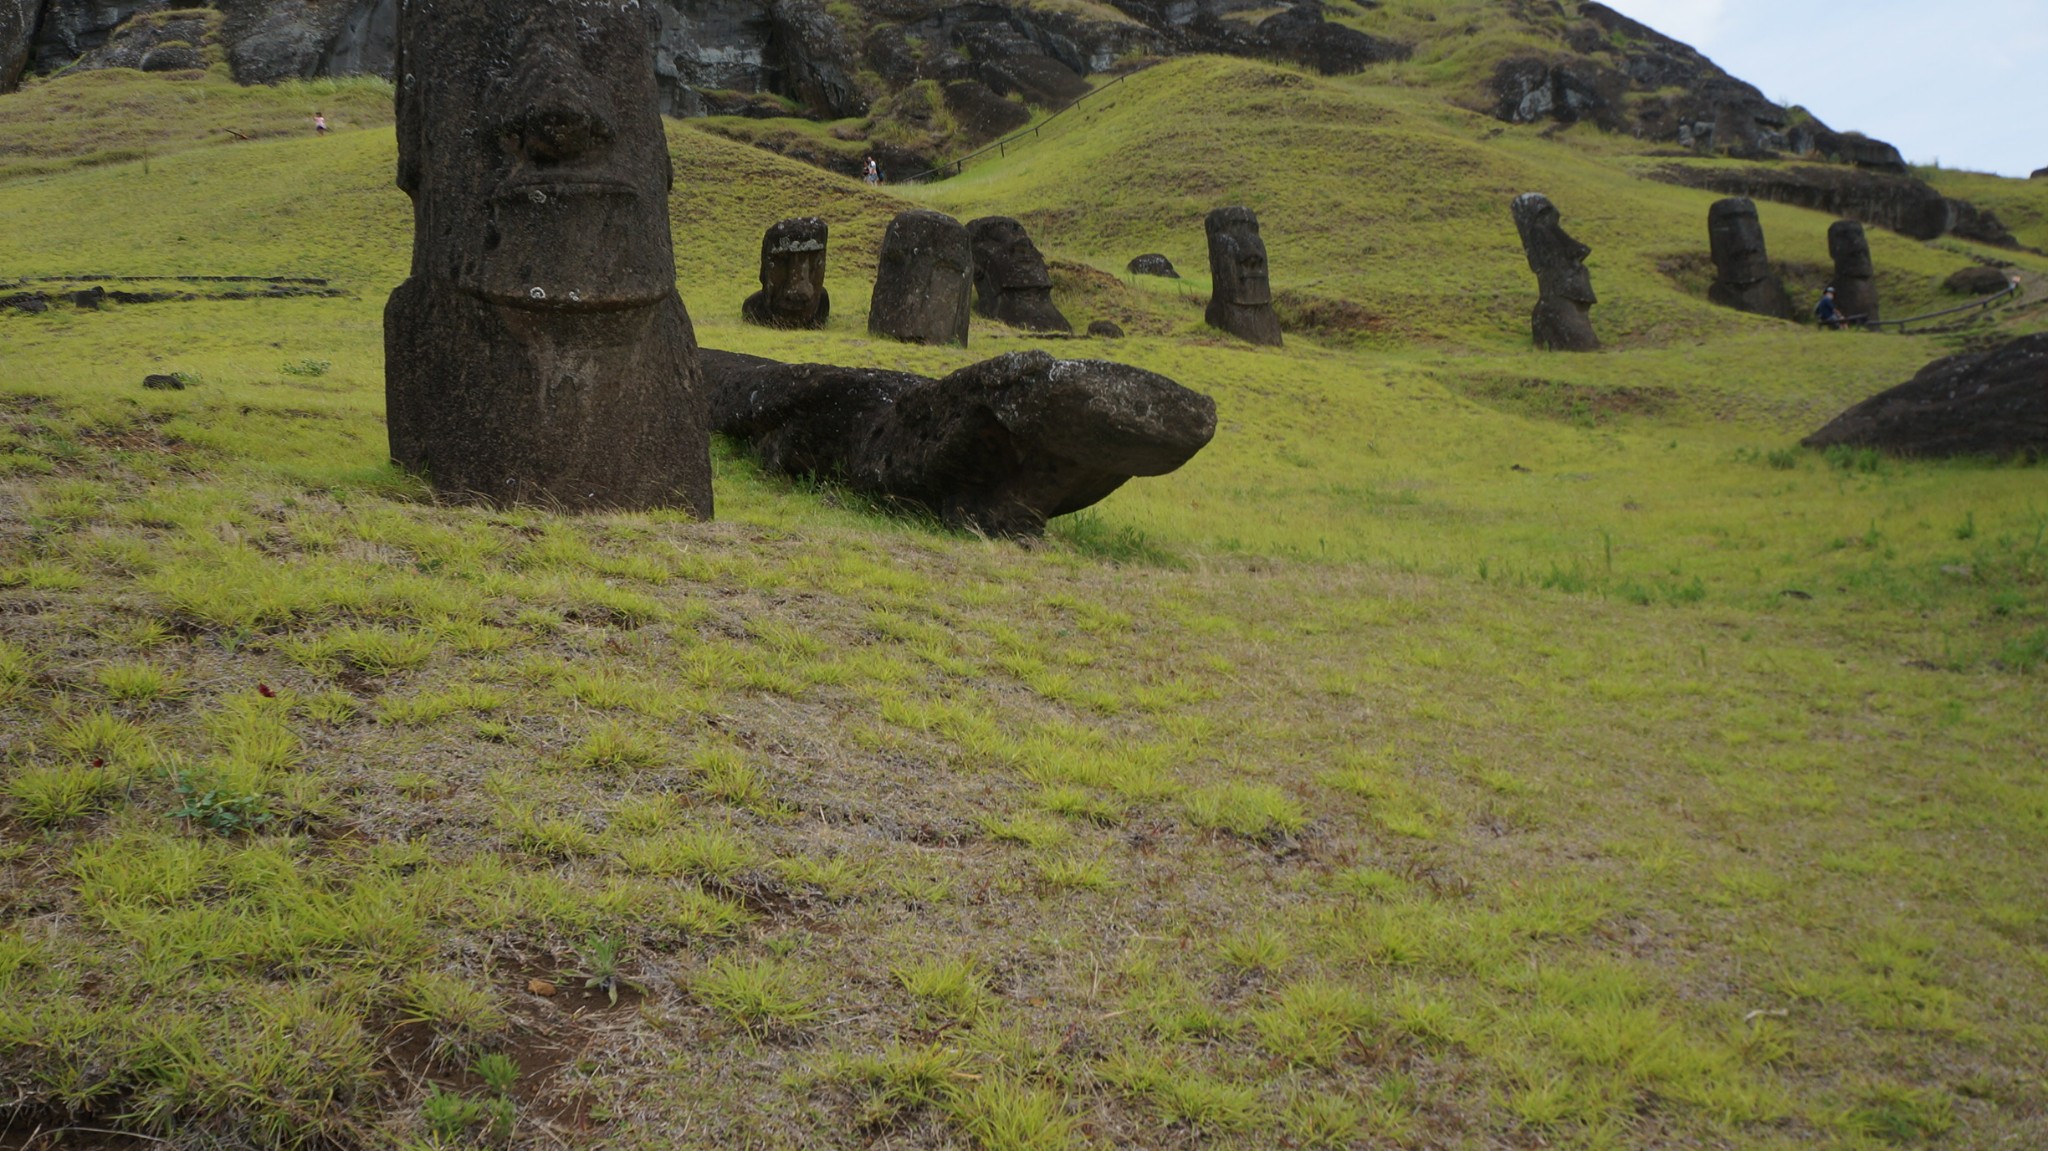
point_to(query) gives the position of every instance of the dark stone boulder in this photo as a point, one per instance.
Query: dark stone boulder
(1563, 318)
(2039, 174)
(922, 281)
(998, 447)
(792, 291)
(1011, 282)
(163, 383)
(18, 19)
(1153, 264)
(539, 352)
(174, 40)
(1530, 90)
(32, 303)
(1977, 281)
(88, 299)
(1301, 34)
(1855, 275)
(1906, 205)
(1989, 403)
(1106, 330)
(1743, 276)
(1241, 296)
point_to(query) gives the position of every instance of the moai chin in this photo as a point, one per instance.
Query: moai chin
(539, 353)
(1743, 279)
(1011, 282)
(792, 291)
(922, 280)
(1241, 297)
(1855, 275)
(1562, 320)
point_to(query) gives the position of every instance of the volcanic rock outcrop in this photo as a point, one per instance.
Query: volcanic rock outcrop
(1011, 282)
(1903, 204)
(539, 352)
(1241, 296)
(1000, 446)
(1855, 275)
(1562, 320)
(1743, 278)
(792, 291)
(17, 39)
(922, 280)
(1990, 403)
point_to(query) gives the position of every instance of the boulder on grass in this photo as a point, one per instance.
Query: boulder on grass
(1992, 403)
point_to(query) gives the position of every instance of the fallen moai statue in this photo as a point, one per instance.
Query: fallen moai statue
(1992, 403)
(539, 352)
(999, 447)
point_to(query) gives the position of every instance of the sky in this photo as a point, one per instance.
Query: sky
(1963, 82)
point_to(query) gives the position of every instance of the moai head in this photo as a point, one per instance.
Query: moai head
(1851, 250)
(1558, 260)
(1237, 258)
(1737, 240)
(922, 280)
(1241, 299)
(530, 140)
(792, 291)
(1011, 282)
(1561, 320)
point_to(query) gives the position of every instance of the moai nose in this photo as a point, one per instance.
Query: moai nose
(559, 128)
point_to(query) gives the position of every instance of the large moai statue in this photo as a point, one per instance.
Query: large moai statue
(922, 281)
(1562, 321)
(1241, 298)
(1011, 282)
(1743, 279)
(539, 352)
(792, 291)
(1855, 275)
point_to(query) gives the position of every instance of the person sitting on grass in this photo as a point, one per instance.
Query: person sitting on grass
(1827, 313)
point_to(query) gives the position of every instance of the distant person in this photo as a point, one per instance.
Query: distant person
(1827, 313)
(871, 173)
(319, 123)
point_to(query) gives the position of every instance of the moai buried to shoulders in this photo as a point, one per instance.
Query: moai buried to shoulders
(1855, 274)
(792, 291)
(539, 352)
(1011, 282)
(922, 280)
(1562, 320)
(1743, 279)
(1241, 296)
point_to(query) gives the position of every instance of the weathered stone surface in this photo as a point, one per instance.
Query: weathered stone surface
(1106, 330)
(1855, 275)
(33, 303)
(1562, 321)
(922, 280)
(1300, 33)
(539, 352)
(18, 19)
(1241, 300)
(981, 114)
(174, 40)
(1153, 264)
(1743, 278)
(1903, 204)
(792, 291)
(1992, 403)
(1977, 281)
(1011, 282)
(999, 447)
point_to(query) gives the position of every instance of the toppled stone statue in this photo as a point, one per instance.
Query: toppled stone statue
(1106, 330)
(1000, 446)
(539, 352)
(1562, 320)
(1743, 278)
(1241, 300)
(1988, 403)
(922, 280)
(1153, 264)
(1977, 281)
(792, 291)
(1855, 275)
(1011, 283)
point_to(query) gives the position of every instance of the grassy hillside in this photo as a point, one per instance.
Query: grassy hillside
(1473, 748)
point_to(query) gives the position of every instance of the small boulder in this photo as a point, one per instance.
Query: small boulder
(163, 383)
(89, 299)
(1153, 264)
(1992, 403)
(1977, 281)
(33, 303)
(1105, 330)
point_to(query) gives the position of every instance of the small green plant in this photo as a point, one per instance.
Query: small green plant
(448, 1115)
(1254, 811)
(601, 957)
(306, 367)
(1783, 459)
(951, 988)
(612, 747)
(211, 807)
(51, 797)
(758, 994)
(135, 682)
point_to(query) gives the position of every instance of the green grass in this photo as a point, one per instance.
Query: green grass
(1349, 787)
